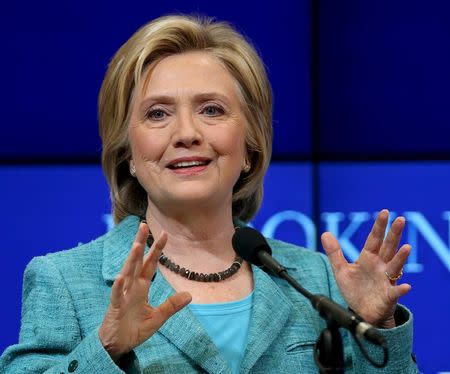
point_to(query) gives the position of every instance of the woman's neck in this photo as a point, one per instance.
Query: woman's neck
(197, 240)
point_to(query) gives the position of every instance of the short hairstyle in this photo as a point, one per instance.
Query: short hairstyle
(166, 36)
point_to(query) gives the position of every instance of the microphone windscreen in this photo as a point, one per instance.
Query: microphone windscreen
(247, 242)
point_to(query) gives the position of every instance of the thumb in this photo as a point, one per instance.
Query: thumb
(172, 305)
(333, 250)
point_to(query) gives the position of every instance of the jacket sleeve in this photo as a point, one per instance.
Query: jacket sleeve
(50, 338)
(399, 341)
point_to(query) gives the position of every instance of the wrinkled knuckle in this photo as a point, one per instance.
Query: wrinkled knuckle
(172, 306)
(392, 297)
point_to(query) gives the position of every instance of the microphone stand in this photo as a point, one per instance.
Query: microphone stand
(328, 352)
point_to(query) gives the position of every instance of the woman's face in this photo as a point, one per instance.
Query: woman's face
(187, 132)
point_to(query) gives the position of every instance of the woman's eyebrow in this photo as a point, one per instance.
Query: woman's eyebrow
(197, 98)
(210, 95)
(162, 99)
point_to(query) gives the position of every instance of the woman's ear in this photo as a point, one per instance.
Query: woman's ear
(132, 168)
(247, 165)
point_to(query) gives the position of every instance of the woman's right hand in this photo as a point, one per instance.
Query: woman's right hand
(130, 319)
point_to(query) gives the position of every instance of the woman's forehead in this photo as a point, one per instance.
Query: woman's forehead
(189, 74)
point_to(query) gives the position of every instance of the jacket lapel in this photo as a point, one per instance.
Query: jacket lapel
(186, 332)
(270, 311)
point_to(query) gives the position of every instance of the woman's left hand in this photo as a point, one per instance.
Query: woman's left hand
(365, 284)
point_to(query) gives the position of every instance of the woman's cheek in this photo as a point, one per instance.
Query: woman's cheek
(229, 140)
(148, 147)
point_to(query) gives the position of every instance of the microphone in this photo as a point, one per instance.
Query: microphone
(253, 247)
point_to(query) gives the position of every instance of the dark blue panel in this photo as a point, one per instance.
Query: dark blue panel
(384, 77)
(350, 196)
(59, 53)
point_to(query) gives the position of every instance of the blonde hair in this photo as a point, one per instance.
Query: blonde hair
(167, 36)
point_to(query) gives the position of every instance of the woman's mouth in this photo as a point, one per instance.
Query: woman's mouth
(189, 166)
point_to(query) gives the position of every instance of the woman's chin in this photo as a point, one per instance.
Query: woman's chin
(197, 199)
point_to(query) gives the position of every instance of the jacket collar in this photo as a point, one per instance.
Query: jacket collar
(118, 241)
(270, 310)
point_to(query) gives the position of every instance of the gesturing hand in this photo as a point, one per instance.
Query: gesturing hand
(365, 284)
(130, 320)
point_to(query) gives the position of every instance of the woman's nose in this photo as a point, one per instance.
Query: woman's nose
(187, 131)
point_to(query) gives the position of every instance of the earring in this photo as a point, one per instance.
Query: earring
(246, 167)
(132, 170)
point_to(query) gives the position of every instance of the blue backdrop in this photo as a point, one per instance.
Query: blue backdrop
(361, 100)
(50, 208)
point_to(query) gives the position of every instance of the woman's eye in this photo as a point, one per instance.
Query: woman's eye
(213, 110)
(155, 114)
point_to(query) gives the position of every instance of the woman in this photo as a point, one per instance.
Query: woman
(185, 116)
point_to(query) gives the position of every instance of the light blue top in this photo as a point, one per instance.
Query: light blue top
(227, 325)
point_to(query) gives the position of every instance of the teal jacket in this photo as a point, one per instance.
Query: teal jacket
(66, 294)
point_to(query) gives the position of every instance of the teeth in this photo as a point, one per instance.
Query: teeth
(184, 164)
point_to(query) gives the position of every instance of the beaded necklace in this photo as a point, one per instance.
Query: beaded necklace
(193, 275)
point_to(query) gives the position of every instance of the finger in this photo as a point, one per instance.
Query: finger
(139, 242)
(390, 244)
(128, 269)
(396, 292)
(395, 266)
(151, 260)
(142, 234)
(333, 251)
(376, 236)
(172, 305)
(117, 292)
(136, 252)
